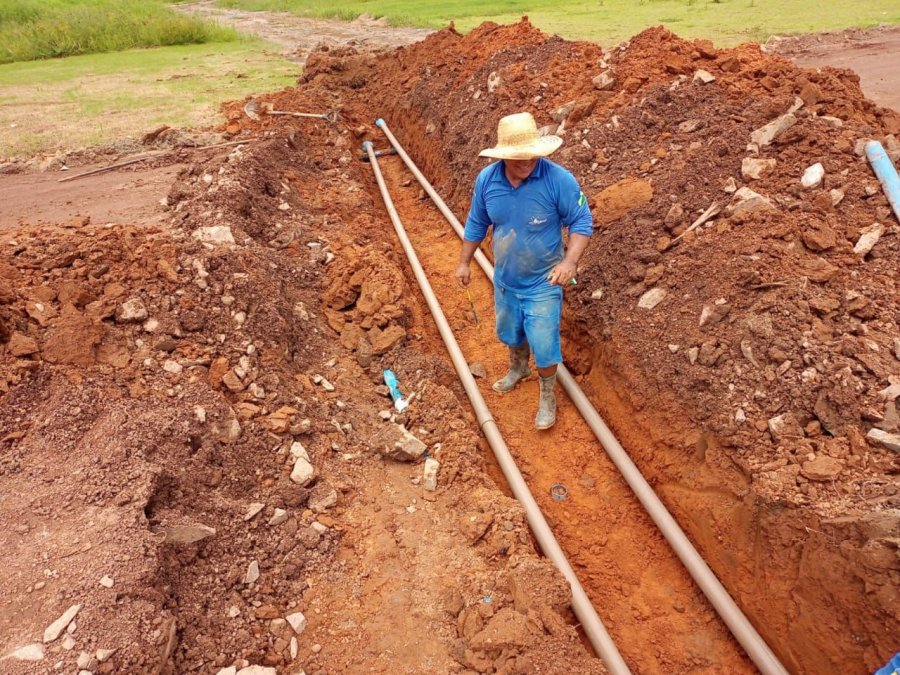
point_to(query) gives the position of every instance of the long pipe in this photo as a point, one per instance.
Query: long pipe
(752, 642)
(887, 174)
(581, 604)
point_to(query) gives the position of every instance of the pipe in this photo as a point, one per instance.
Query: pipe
(581, 604)
(744, 632)
(887, 174)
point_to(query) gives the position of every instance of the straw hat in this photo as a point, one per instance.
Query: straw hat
(518, 138)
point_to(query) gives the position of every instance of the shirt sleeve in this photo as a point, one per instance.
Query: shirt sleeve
(479, 221)
(573, 208)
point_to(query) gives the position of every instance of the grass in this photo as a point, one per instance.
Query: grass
(726, 22)
(40, 29)
(77, 101)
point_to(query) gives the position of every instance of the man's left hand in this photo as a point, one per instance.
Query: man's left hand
(562, 273)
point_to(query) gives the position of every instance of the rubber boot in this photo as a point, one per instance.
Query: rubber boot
(518, 369)
(546, 414)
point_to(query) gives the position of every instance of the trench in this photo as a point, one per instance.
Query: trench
(657, 616)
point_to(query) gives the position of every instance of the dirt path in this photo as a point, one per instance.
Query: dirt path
(871, 53)
(299, 36)
(659, 619)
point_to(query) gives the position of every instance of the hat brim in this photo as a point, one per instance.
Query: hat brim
(540, 147)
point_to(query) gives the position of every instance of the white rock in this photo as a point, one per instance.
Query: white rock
(278, 517)
(171, 366)
(739, 416)
(298, 451)
(652, 298)
(252, 572)
(319, 527)
(104, 654)
(430, 474)
(303, 471)
(604, 81)
(233, 612)
(132, 310)
(754, 169)
(813, 176)
(746, 200)
(493, 82)
(769, 132)
(253, 509)
(151, 325)
(597, 295)
(200, 414)
(295, 648)
(32, 652)
(216, 234)
(298, 622)
(704, 76)
(890, 441)
(106, 581)
(325, 384)
(868, 237)
(86, 661)
(835, 122)
(837, 196)
(730, 186)
(257, 670)
(68, 643)
(230, 670)
(55, 629)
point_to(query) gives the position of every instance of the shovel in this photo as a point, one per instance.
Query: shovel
(254, 110)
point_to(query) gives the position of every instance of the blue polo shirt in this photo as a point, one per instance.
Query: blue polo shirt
(528, 221)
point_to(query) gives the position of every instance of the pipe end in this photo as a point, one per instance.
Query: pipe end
(379, 123)
(366, 145)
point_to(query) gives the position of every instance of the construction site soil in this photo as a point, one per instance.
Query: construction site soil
(197, 451)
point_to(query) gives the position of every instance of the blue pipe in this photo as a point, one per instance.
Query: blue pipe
(887, 174)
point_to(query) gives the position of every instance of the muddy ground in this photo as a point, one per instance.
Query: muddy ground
(197, 445)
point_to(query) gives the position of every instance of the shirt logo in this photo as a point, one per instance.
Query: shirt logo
(536, 221)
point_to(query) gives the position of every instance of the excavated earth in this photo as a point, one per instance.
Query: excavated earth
(196, 445)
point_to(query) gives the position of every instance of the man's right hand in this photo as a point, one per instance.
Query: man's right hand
(463, 274)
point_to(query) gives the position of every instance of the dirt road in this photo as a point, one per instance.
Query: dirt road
(299, 36)
(872, 54)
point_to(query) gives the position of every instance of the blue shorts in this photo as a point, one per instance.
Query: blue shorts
(532, 318)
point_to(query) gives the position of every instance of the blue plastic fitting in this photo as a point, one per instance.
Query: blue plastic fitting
(887, 174)
(379, 123)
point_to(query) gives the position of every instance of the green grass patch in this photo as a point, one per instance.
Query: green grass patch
(41, 29)
(79, 101)
(609, 21)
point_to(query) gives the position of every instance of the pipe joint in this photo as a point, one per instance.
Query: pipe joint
(379, 123)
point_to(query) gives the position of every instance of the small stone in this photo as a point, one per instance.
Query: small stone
(754, 168)
(689, 126)
(253, 509)
(713, 314)
(493, 82)
(106, 581)
(86, 661)
(674, 348)
(325, 384)
(303, 472)
(55, 629)
(321, 498)
(295, 648)
(316, 648)
(131, 311)
(32, 652)
(257, 670)
(171, 366)
(784, 426)
(890, 441)
(704, 76)
(604, 81)
(597, 295)
(297, 621)
(232, 381)
(478, 370)
(278, 517)
(68, 643)
(652, 298)
(104, 654)
(692, 354)
(730, 186)
(822, 468)
(188, 534)
(869, 236)
(813, 176)
(396, 442)
(430, 473)
(297, 451)
(217, 234)
(837, 196)
(746, 200)
(561, 113)
(740, 416)
(252, 572)
(385, 415)
(151, 326)
(769, 132)
(230, 670)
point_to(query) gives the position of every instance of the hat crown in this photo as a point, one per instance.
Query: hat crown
(518, 129)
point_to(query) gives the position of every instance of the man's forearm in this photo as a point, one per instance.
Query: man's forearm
(468, 251)
(576, 246)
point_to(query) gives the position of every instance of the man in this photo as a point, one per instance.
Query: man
(528, 200)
